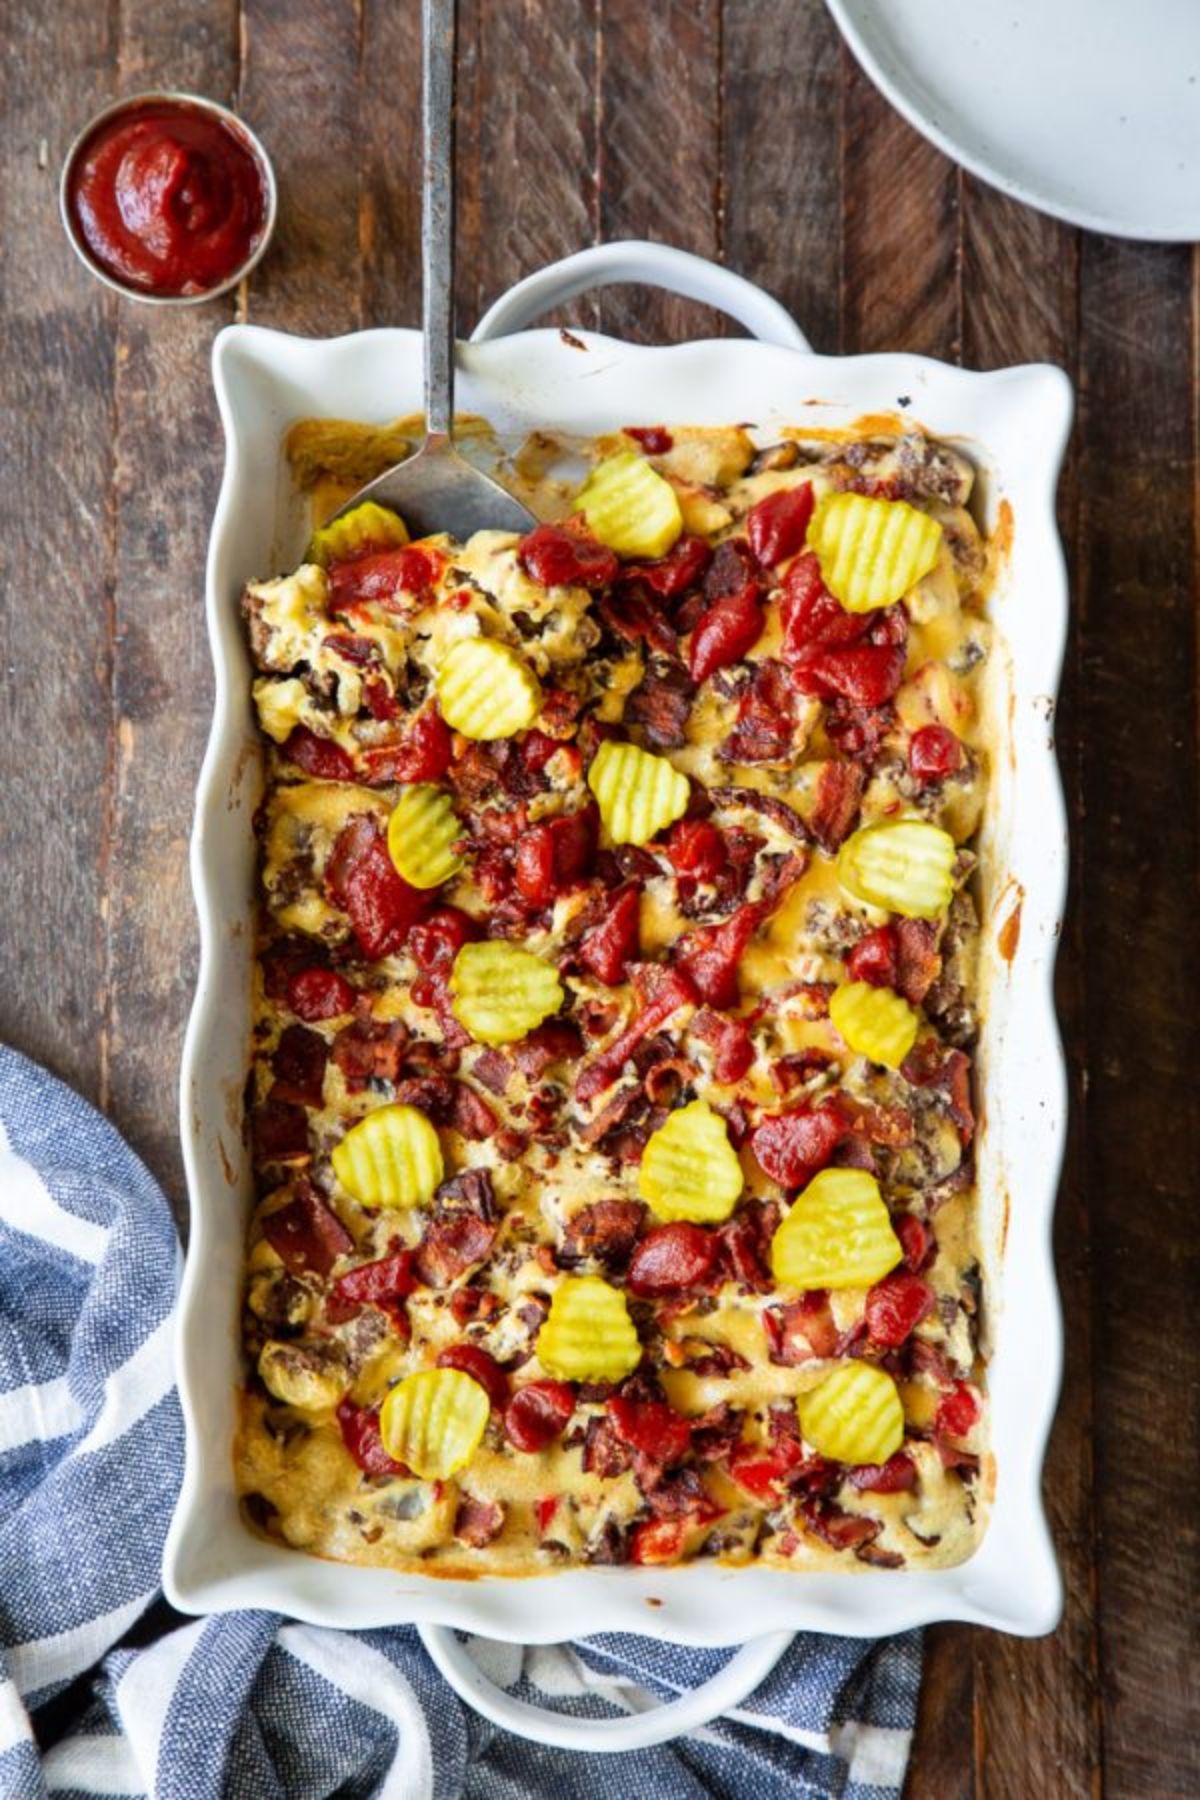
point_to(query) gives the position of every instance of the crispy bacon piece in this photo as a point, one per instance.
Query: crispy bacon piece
(835, 806)
(778, 524)
(744, 1245)
(769, 805)
(317, 756)
(304, 1234)
(918, 964)
(604, 1453)
(494, 1070)
(423, 755)
(481, 1366)
(681, 1494)
(895, 1306)
(916, 1240)
(732, 1046)
(717, 1432)
(661, 702)
(651, 1427)
(845, 1531)
(298, 1065)
(670, 1259)
(672, 574)
(767, 716)
(558, 1040)
(612, 943)
(385, 1283)
(362, 880)
(470, 1114)
(477, 1522)
(792, 1146)
(605, 1231)
(662, 992)
(797, 1068)
(631, 613)
(932, 1064)
(470, 1191)
(858, 731)
(280, 1132)
(896, 1476)
(452, 1243)
(566, 555)
(359, 1426)
(370, 1050)
(802, 1331)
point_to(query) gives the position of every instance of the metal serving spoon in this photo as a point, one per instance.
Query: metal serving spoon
(436, 489)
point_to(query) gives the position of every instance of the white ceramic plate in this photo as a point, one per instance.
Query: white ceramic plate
(1087, 109)
(1013, 423)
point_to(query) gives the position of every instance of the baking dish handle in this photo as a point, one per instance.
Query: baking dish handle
(654, 265)
(744, 1672)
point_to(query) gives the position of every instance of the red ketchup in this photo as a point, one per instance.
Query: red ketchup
(168, 198)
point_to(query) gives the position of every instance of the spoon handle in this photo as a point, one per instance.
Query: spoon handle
(437, 214)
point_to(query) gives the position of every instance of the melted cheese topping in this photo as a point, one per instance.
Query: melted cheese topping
(546, 1158)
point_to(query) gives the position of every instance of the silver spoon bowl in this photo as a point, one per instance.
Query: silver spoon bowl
(437, 489)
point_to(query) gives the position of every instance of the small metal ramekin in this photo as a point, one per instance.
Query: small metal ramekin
(200, 104)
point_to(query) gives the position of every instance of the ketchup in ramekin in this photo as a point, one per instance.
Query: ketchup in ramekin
(169, 197)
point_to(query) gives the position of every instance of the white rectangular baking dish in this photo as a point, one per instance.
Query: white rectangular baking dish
(1014, 424)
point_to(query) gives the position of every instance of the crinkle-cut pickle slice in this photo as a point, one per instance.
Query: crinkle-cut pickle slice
(501, 992)
(422, 833)
(638, 794)
(486, 689)
(874, 1022)
(390, 1158)
(854, 1415)
(872, 552)
(907, 867)
(630, 507)
(588, 1334)
(689, 1168)
(433, 1421)
(365, 527)
(837, 1233)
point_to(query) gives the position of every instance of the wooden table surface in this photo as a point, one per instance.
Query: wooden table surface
(742, 130)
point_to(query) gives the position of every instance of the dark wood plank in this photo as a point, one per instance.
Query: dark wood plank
(56, 395)
(168, 457)
(781, 172)
(900, 266)
(300, 91)
(389, 149)
(942, 1763)
(660, 151)
(1020, 292)
(1137, 718)
(527, 144)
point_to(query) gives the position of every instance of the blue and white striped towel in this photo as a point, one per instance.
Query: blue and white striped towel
(104, 1691)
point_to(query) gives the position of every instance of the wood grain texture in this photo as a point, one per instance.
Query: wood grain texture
(531, 183)
(300, 89)
(56, 558)
(1020, 288)
(660, 151)
(389, 151)
(168, 451)
(900, 259)
(1137, 721)
(781, 171)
